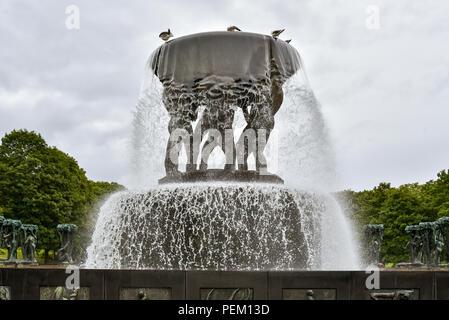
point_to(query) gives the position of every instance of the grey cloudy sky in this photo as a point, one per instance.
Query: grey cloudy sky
(384, 93)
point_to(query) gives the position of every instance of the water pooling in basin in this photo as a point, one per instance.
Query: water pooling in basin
(227, 225)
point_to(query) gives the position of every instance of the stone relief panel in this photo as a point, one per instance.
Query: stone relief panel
(226, 294)
(5, 293)
(63, 293)
(392, 294)
(309, 294)
(145, 294)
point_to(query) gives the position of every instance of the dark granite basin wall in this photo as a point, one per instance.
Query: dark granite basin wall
(179, 285)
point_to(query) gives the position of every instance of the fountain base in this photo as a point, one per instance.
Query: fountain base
(210, 226)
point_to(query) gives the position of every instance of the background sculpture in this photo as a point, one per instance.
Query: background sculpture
(11, 236)
(426, 230)
(414, 244)
(29, 242)
(437, 244)
(373, 240)
(14, 234)
(67, 234)
(428, 241)
(443, 228)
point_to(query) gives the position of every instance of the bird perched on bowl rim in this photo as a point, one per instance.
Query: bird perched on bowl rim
(233, 28)
(166, 35)
(288, 41)
(276, 33)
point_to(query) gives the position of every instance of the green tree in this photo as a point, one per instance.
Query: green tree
(40, 185)
(402, 207)
(437, 193)
(397, 208)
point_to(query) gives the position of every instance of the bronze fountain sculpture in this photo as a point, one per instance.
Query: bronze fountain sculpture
(222, 71)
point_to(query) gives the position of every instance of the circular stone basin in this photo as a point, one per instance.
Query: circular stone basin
(210, 226)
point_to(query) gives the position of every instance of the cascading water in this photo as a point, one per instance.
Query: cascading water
(229, 226)
(225, 227)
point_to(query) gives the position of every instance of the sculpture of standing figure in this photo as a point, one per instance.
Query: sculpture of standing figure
(182, 111)
(259, 115)
(260, 123)
(438, 242)
(29, 243)
(414, 243)
(11, 230)
(443, 226)
(217, 119)
(66, 236)
(374, 237)
(426, 235)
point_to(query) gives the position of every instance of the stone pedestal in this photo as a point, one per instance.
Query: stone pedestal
(223, 176)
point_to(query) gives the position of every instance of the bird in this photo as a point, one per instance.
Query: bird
(166, 35)
(288, 41)
(276, 33)
(233, 28)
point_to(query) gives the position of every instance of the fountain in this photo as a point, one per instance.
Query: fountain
(232, 202)
(239, 192)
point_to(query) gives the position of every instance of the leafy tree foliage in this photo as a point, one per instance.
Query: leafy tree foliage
(397, 208)
(42, 185)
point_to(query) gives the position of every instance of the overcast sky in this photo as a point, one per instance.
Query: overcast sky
(384, 92)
